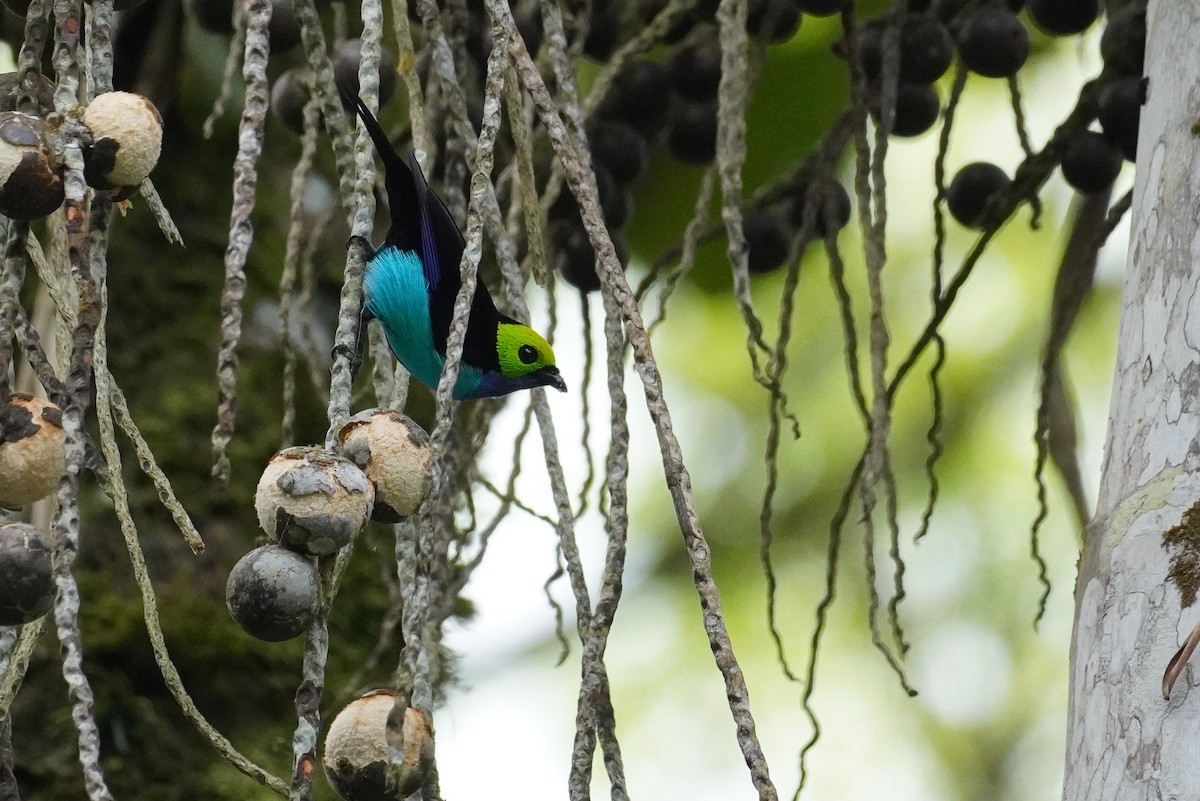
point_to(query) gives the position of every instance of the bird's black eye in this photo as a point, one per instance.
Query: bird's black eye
(527, 354)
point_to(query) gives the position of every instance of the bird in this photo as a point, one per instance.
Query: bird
(411, 281)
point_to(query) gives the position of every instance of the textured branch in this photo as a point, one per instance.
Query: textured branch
(241, 230)
(17, 658)
(293, 252)
(11, 280)
(99, 47)
(336, 124)
(65, 527)
(613, 283)
(733, 98)
(316, 643)
(236, 46)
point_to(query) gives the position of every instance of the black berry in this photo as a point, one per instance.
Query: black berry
(692, 134)
(346, 59)
(615, 203)
(283, 29)
(993, 43)
(1091, 163)
(954, 12)
(925, 48)
(1064, 17)
(917, 108)
(695, 69)
(621, 149)
(1120, 112)
(831, 206)
(971, 189)
(767, 241)
(604, 30)
(574, 258)
(289, 94)
(772, 21)
(216, 16)
(528, 17)
(1123, 43)
(640, 96)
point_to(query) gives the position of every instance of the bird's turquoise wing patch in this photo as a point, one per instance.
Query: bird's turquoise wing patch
(397, 295)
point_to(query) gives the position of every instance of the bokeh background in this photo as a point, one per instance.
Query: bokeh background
(990, 716)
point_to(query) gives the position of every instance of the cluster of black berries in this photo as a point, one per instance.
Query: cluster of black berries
(924, 51)
(822, 203)
(216, 16)
(672, 104)
(631, 117)
(992, 41)
(1093, 159)
(291, 90)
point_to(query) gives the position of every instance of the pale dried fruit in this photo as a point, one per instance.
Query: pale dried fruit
(312, 501)
(30, 185)
(126, 140)
(365, 762)
(394, 453)
(26, 575)
(31, 450)
(272, 593)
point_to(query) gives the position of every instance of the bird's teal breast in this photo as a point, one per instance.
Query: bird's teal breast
(397, 294)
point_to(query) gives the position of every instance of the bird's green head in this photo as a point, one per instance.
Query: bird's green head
(526, 359)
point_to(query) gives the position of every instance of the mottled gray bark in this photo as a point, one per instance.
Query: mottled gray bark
(1135, 596)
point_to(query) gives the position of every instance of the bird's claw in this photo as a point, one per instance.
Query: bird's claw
(350, 354)
(361, 242)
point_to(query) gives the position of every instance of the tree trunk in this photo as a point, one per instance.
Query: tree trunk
(1134, 595)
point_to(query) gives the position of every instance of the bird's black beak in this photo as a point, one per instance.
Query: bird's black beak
(553, 378)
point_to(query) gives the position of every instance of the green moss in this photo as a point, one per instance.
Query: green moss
(1183, 541)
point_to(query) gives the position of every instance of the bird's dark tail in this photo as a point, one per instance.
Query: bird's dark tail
(398, 178)
(378, 136)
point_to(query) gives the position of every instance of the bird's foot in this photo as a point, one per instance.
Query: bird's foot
(361, 241)
(350, 354)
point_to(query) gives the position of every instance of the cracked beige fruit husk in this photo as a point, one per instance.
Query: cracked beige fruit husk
(126, 140)
(394, 453)
(312, 501)
(30, 186)
(365, 762)
(31, 450)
